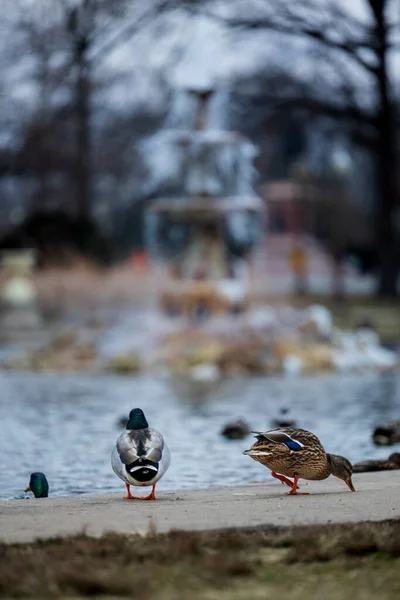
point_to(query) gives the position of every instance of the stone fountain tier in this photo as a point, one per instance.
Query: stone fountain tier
(205, 206)
(209, 162)
(210, 136)
(172, 220)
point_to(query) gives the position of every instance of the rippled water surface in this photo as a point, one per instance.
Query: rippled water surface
(66, 425)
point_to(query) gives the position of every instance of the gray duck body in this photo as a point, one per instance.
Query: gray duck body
(140, 457)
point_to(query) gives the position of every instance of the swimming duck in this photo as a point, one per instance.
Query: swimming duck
(236, 430)
(297, 453)
(39, 485)
(387, 434)
(283, 420)
(140, 456)
(121, 421)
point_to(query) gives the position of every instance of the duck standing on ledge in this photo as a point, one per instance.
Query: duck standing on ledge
(38, 484)
(283, 420)
(297, 453)
(140, 456)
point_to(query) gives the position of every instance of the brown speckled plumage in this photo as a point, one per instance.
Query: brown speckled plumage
(307, 460)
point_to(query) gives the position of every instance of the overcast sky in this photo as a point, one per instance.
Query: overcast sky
(187, 51)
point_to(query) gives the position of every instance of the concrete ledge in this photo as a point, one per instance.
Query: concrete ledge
(330, 501)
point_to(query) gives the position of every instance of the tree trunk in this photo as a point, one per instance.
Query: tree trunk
(386, 234)
(386, 164)
(338, 283)
(83, 145)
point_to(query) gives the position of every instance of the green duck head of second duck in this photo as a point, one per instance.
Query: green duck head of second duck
(39, 485)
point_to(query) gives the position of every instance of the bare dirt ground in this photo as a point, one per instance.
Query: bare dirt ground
(325, 562)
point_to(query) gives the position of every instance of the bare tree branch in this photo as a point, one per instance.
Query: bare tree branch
(287, 22)
(130, 29)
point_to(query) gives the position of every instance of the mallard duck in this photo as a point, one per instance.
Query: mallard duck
(297, 453)
(387, 434)
(283, 420)
(140, 456)
(121, 421)
(236, 430)
(39, 485)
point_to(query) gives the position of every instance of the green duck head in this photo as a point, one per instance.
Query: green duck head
(38, 484)
(137, 420)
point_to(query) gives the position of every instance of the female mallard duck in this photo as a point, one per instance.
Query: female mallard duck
(140, 456)
(297, 453)
(38, 484)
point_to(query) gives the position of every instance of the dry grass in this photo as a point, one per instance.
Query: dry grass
(85, 287)
(348, 561)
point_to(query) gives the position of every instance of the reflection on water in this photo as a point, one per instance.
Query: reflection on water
(66, 425)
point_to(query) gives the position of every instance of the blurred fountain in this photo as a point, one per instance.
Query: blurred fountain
(206, 220)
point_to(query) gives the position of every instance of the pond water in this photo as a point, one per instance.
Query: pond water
(66, 425)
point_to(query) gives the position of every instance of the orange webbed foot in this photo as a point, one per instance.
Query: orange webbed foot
(129, 496)
(149, 497)
(293, 491)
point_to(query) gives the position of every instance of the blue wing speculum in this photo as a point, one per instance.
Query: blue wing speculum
(281, 437)
(292, 445)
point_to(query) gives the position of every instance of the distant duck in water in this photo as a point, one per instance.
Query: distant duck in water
(38, 484)
(386, 435)
(391, 464)
(283, 420)
(122, 421)
(298, 453)
(140, 456)
(237, 430)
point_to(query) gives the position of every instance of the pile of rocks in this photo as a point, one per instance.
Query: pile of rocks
(65, 352)
(276, 341)
(268, 341)
(392, 463)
